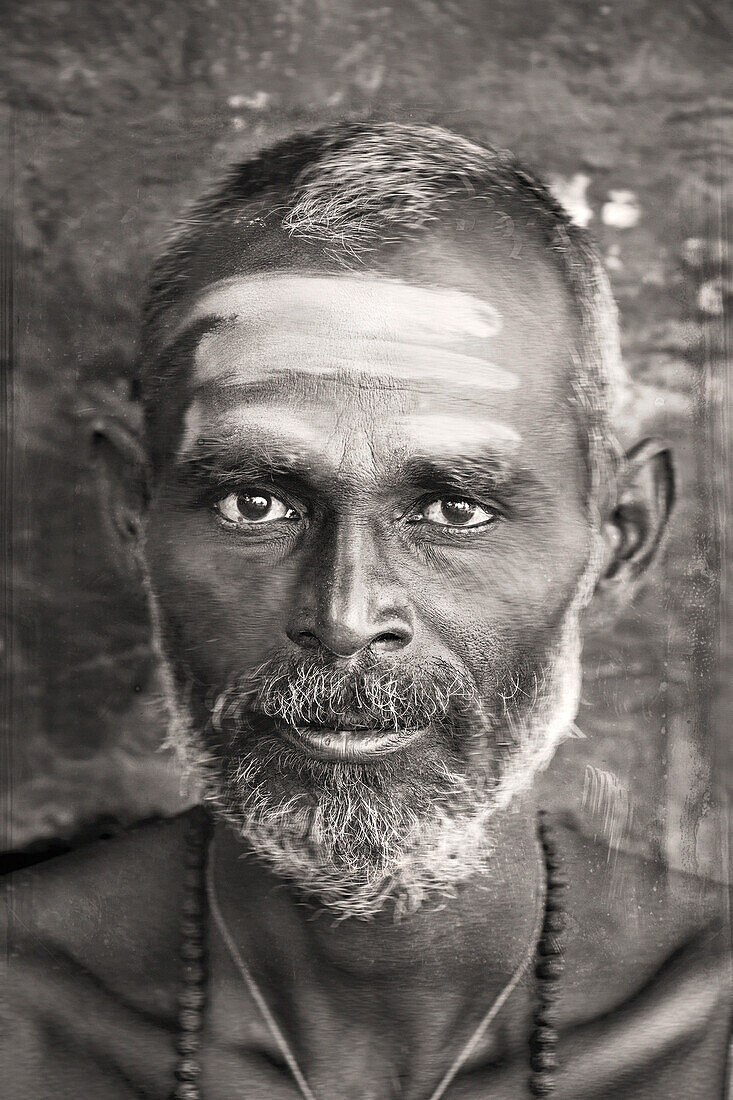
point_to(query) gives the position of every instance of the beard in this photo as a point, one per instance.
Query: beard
(411, 825)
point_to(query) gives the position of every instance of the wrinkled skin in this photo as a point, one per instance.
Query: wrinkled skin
(354, 575)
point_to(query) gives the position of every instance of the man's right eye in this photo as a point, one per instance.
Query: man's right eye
(253, 509)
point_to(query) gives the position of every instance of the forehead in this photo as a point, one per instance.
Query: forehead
(383, 351)
(370, 332)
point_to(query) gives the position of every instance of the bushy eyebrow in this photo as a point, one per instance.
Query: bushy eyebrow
(226, 461)
(485, 472)
(222, 460)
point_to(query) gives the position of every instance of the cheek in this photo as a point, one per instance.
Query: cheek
(222, 612)
(503, 603)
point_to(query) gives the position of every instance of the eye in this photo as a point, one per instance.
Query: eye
(457, 512)
(254, 509)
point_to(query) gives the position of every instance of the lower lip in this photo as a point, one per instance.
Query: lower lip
(350, 746)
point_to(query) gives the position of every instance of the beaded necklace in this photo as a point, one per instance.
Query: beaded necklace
(549, 966)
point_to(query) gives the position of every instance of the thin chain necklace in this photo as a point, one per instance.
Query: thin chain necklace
(200, 899)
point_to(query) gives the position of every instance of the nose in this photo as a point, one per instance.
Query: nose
(353, 599)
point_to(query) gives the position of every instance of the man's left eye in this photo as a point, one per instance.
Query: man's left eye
(457, 512)
(253, 509)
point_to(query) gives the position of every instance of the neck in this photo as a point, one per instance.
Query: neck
(425, 979)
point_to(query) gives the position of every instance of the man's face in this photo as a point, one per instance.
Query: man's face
(367, 552)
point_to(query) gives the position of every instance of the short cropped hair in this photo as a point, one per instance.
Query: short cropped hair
(355, 189)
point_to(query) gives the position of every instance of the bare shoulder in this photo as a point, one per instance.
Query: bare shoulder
(647, 955)
(109, 909)
(90, 972)
(638, 893)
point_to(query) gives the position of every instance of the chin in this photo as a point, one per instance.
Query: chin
(356, 838)
(402, 833)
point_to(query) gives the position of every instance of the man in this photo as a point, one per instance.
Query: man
(379, 484)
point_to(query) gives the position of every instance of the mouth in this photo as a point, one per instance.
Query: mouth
(349, 744)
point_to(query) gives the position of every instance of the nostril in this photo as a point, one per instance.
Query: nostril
(389, 641)
(344, 642)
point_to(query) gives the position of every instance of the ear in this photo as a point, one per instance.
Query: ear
(122, 475)
(635, 524)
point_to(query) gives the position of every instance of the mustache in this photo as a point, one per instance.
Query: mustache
(308, 691)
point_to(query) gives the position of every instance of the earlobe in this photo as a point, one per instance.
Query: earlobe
(121, 467)
(634, 527)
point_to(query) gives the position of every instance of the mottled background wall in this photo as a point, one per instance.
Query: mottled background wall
(119, 111)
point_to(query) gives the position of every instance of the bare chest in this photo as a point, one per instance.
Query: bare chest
(650, 1048)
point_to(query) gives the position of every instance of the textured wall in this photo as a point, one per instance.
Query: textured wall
(118, 112)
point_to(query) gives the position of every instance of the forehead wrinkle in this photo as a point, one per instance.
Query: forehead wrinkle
(290, 438)
(358, 440)
(333, 439)
(218, 392)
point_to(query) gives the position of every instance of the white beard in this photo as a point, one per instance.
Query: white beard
(366, 841)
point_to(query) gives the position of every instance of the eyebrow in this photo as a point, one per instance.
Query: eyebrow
(222, 461)
(219, 460)
(487, 471)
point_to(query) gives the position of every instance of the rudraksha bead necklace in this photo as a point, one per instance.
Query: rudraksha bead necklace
(548, 966)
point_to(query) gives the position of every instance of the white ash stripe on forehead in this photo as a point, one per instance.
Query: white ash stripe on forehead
(438, 313)
(447, 431)
(257, 417)
(337, 327)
